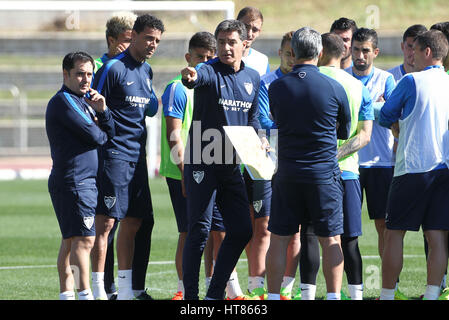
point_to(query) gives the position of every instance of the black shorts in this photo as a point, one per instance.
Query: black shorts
(295, 203)
(419, 199)
(376, 184)
(75, 211)
(123, 189)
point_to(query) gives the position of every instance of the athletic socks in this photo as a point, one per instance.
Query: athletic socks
(274, 296)
(333, 296)
(308, 291)
(233, 289)
(82, 295)
(125, 291)
(85, 295)
(255, 282)
(67, 295)
(387, 294)
(432, 292)
(287, 283)
(355, 291)
(181, 286)
(98, 286)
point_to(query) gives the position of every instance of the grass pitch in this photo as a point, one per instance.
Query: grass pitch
(30, 239)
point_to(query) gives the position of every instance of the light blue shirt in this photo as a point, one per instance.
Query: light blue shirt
(265, 118)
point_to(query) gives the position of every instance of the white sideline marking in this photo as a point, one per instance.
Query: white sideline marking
(406, 256)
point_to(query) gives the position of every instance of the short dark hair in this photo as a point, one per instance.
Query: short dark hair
(413, 31)
(443, 27)
(230, 26)
(436, 41)
(287, 38)
(252, 12)
(204, 40)
(333, 45)
(147, 20)
(365, 34)
(344, 24)
(68, 63)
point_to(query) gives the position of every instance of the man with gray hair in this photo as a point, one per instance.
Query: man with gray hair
(311, 110)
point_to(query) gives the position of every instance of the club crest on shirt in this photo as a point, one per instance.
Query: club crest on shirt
(198, 176)
(257, 205)
(88, 222)
(248, 87)
(109, 201)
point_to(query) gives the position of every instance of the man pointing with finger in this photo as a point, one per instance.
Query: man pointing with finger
(226, 94)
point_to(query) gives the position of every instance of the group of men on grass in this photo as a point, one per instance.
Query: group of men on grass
(340, 127)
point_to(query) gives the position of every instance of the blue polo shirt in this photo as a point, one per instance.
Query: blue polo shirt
(74, 137)
(306, 106)
(222, 97)
(127, 86)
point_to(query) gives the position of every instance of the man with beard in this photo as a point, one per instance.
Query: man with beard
(376, 160)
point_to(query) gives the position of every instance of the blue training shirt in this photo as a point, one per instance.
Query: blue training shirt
(74, 137)
(265, 117)
(306, 106)
(222, 97)
(174, 100)
(127, 86)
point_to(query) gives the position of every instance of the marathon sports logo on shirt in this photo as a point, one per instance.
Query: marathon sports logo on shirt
(198, 176)
(109, 201)
(135, 101)
(88, 222)
(235, 105)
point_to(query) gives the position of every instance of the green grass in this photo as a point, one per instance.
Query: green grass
(30, 238)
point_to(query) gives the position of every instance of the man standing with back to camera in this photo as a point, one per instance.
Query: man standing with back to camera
(124, 193)
(306, 106)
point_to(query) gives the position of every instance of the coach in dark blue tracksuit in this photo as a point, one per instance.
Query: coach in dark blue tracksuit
(226, 94)
(311, 111)
(70, 122)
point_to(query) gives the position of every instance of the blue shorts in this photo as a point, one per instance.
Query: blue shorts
(179, 203)
(123, 189)
(295, 203)
(352, 208)
(215, 186)
(376, 184)
(419, 199)
(259, 195)
(75, 211)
